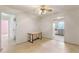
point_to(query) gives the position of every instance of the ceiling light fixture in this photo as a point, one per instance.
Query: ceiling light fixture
(44, 9)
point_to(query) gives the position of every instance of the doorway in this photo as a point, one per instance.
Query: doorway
(58, 30)
(7, 31)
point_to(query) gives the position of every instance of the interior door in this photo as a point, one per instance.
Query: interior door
(12, 33)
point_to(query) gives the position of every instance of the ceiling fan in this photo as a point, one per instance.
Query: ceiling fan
(44, 9)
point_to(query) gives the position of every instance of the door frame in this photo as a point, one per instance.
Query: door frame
(54, 20)
(8, 27)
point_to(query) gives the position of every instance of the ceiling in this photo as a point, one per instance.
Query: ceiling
(33, 9)
(55, 7)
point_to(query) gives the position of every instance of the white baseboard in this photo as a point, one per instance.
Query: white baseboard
(46, 38)
(71, 43)
(27, 40)
(21, 42)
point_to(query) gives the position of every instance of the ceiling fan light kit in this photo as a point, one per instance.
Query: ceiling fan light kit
(44, 9)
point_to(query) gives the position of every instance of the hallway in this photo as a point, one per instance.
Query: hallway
(59, 38)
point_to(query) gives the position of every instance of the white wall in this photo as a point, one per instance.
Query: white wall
(28, 23)
(72, 27)
(46, 27)
(71, 30)
(25, 23)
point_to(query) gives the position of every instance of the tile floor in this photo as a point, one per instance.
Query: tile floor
(47, 46)
(42, 46)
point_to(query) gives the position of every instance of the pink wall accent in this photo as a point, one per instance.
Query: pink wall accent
(4, 26)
